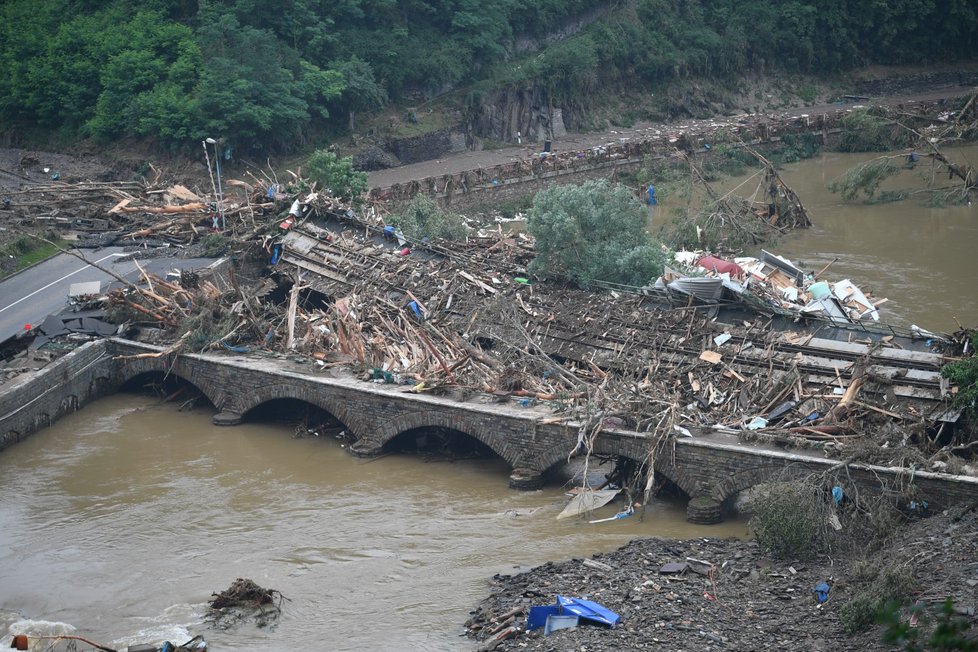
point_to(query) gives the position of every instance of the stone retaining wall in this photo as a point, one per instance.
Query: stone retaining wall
(34, 401)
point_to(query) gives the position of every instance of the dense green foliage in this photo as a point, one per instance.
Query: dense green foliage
(337, 174)
(277, 75)
(865, 131)
(593, 232)
(424, 219)
(950, 631)
(964, 374)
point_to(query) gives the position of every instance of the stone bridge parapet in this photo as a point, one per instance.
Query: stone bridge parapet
(710, 467)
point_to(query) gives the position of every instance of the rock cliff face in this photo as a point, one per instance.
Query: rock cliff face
(511, 115)
(429, 146)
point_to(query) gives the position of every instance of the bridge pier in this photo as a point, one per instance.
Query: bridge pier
(704, 510)
(365, 448)
(226, 419)
(525, 479)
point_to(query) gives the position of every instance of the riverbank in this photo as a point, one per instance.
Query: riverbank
(741, 598)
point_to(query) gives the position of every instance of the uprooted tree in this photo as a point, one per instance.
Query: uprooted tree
(923, 139)
(732, 222)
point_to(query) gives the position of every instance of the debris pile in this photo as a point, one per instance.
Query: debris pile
(245, 600)
(774, 285)
(732, 222)
(728, 594)
(464, 318)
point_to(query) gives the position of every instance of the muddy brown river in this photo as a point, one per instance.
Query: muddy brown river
(124, 518)
(921, 259)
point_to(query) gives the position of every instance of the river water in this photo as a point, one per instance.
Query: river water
(125, 517)
(921, 259)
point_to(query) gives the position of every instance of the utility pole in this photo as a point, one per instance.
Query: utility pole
(220, 191)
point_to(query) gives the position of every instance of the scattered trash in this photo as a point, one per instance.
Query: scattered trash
(588, 610)
(557, 621)
(625, 513)
(757, 423)
(244, 600)
(837, 494)
(720, 340)
(588, 500)
(821, 591)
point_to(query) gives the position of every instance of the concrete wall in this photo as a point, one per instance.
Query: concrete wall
(34, 401)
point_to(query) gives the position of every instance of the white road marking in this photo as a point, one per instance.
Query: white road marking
(81, 269)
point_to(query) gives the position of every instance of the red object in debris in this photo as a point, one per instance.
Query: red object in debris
(27, 327)
(720, 266)
(405, 251)
(287, 224)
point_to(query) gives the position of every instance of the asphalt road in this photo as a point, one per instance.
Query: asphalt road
(42, 290)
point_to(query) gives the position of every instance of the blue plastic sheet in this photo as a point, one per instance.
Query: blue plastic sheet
(588, 610)
(537, 617)
(821, 591)
(579, 607)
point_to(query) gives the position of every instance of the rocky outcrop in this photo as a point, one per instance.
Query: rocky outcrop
(429, 146)
(514, 115)
(374, 158)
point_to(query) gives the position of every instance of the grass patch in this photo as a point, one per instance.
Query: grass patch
(25, 251)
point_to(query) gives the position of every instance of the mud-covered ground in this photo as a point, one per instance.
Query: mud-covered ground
(751, 602)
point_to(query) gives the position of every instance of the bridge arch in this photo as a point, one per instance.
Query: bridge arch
(405, 422)
(634, 450)
(131, 380)
(735, 483)
(282, 391)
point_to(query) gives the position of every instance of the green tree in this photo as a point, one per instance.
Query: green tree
(360, 90)
(593, 232)
(147, 86)
(337, 175)
(424, 219)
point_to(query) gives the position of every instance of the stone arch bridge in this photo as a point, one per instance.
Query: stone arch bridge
(710, 467)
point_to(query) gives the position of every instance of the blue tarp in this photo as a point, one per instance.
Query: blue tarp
(821, 591)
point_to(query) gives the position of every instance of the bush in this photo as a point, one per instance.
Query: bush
(337, 175)
(879, 585)
(863, 131)
(790, 520)
(214, 244)
(964, 374)
(423, 218)
(593, 232)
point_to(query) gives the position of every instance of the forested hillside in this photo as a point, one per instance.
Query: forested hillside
(272, 76)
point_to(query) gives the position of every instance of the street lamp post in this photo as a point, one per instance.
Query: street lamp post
(220, 191)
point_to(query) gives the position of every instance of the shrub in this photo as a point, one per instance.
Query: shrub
(790, 520)
(337, 175)
(593, 232)
(423, 218)
(879, 585)
(964, 374)
(863, 131)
